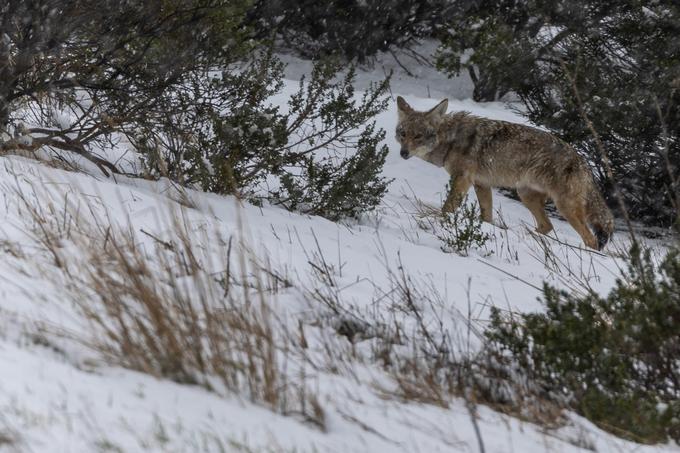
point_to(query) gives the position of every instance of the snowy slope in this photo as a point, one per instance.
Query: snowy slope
(56, 395)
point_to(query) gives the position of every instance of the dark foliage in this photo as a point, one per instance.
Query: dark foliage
(348, 28)
(104, 62)
(185, 84)
(615, 359)
(615, 65)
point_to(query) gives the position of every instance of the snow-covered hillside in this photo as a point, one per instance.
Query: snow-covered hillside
(58, 394)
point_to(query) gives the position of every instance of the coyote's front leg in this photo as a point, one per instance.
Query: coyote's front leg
(485, 201)
(459, 186)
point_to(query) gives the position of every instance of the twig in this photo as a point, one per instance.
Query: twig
(472, 409)
(400, 64)
(566, 244)
(365, 427)
(165, 244)
(510, 275)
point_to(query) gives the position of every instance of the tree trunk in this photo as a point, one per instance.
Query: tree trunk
(485, 88)
(5, 82)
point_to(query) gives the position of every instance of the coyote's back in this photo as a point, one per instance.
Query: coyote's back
(491, 153)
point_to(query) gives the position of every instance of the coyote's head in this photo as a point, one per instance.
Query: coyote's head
(417, 131)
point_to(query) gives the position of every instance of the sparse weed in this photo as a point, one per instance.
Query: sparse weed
(434, 362)
(461, 230)
(421, 342)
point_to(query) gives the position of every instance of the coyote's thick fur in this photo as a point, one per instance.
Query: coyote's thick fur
(489, 153)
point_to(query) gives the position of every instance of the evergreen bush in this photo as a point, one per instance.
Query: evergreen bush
(613, 359)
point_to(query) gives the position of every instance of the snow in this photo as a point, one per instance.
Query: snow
(412, 76)
(55, 396)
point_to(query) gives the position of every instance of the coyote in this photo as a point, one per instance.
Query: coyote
(487, 153)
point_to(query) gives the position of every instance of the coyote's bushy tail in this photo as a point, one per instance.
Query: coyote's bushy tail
(600, 218)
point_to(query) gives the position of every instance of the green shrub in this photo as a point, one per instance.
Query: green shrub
(461, 230)
(337, 156)
(322, 156)
(615, 359)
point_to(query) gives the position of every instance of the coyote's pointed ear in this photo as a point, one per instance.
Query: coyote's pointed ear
(440, 109)
(403, 107)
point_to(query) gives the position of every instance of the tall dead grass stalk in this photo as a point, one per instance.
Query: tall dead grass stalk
(174, 306)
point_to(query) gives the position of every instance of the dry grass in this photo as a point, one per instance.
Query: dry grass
(10, 438)
(7, 439)
(424, 347)
(174, 307)
(171, 306)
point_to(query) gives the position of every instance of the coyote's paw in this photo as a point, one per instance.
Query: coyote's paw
(544, 229)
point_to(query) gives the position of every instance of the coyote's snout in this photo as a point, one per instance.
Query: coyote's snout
(487, 153)
(404, 153)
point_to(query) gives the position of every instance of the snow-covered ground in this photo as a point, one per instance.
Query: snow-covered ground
(56, 396)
